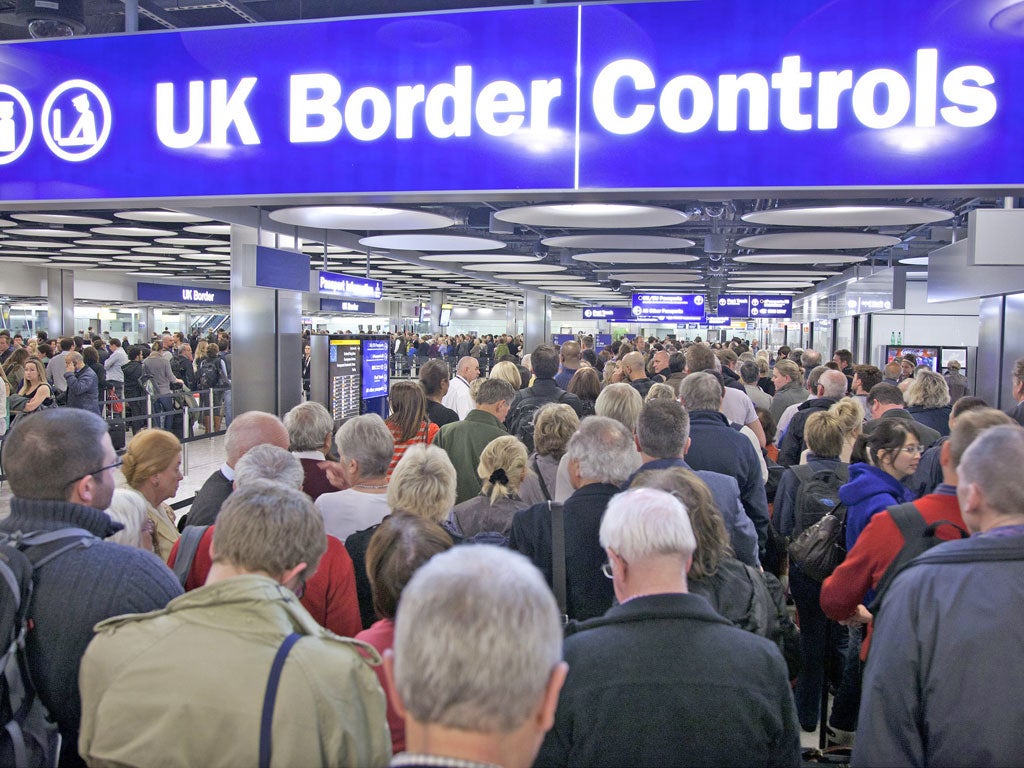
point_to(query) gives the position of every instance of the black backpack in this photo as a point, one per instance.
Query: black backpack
(818, 494)
(28, 736)
(521, 419)
(819, 541)
(209, 374)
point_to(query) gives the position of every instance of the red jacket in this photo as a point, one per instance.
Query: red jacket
(382, 637)
(876, 547)
(330, 595)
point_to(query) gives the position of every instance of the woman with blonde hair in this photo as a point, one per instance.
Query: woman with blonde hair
(408, 421)
(507, 371)
(152, 466)
(928, 400)
(553, 426)
(502, 468)
(849, 414)
(660, 391)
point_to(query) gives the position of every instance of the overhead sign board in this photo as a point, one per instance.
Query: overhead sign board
(807, 93)
(347, 305)
(182, 294)
(668, 307)
(284, 270)
(348, 286)
(755, 306)
(610, 314)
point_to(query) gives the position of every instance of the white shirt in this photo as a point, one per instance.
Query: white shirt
(458, 398)
(351, 510)
(738, 407)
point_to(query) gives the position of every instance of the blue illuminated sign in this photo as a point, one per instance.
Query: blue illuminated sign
(754, 306)
(342, 305)
(668, 307)
(611, 314)
(182, 294)
(337, 284)
(734, 306)
(284, 270)
(807, 93)
(375, 368)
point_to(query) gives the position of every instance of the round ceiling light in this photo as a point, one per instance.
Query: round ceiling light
(193, 241)
(619, 242)
(516, 271)
(160, 216)
(7, 223)
(117, 231)
(481, 258)
(5, 244)
(45, 232)
(593, 216)
(360, 217)
(818, 240)
(58, 218)
(95, 251)
(634, 257)
(797, 258)
(207, 229)
(432, 243)
(167, 250)
(784, 285)
(101, 242)
(140, 257)
(849, 216)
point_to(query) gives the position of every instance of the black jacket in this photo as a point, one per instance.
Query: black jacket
(793, 442)
(208, 501)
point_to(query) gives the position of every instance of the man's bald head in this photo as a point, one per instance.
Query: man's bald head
(634, 363)
(251, 429)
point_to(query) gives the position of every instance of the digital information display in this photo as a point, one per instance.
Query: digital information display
(343, 370)
(925, 355)
(445, 318)
(753, 305)
(375, 368)
(668, 307)
(611, 314)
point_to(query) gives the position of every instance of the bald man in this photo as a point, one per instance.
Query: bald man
(633, 367)
(246, 432)
(458, 398)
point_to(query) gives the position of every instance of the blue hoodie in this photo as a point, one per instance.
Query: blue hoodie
(869, 490)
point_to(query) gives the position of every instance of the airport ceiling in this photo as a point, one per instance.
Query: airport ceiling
(590, 252)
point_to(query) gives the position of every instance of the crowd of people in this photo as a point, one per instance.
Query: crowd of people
(570, 557)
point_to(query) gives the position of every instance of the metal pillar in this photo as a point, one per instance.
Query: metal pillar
(60, 297)
(537, 326)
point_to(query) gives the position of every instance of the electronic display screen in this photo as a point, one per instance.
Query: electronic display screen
(344, 372)
(375, 368)
(445, 319)
(925, 355)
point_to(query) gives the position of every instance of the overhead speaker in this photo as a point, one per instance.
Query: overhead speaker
(52, 18)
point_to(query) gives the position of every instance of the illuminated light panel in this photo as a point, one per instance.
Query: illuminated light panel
(818, 240)
(593, 215)
(360, 217)
(110, 242)
(634, 257)
(619, 242)
(432, 243)
(797, 258)
(95, 251)
(127, 231)
(849, 216)
(481, 258)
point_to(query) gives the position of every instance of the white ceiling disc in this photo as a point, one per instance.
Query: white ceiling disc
(159, 216)
(167, 250)
(370, 217)
(916, 261)
(592, 215)
(780, 286)
(58, 218)
(189, 262)
(21, 258)
(221, 257)
(432, 243)
(134, 231)
(619, 242)
(797, 258)
(95, 251)
(634, 257)
(849, 216)
(481, 258)
(193, 241)
(513, 273)
(808, 273)
(207, 229)
(659, 278)
(7, 223)
(70, 234)
(224, 249)
(154, 273)
(319, 248)
(140, 257)
(101, 242)
(817, 240)
(5, 244)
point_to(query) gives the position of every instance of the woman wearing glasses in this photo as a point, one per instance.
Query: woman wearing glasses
(152, 466)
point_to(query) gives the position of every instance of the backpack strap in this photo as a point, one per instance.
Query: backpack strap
(80, 536)
(558, 554)
(188, 545)
(270, 697)
(540, 478)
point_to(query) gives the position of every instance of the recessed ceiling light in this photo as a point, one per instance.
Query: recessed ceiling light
(160, 215)
(592, 215)
(817, 240)
(208, 229)
(140, 257)
(480, 258)
(797, 258)
(194, 241)
(5, 244)
(619, 242)
(360, 217)
(134, 231)
(95, 251)
(7, 223)
(148, 273)
(110, 242)
(70, 234)
(432, 243)
(58, 218)
(849, 216)
(634, 257)
(780, 285)
(164, 249)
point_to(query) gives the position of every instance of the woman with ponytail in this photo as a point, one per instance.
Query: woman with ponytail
(502, 468)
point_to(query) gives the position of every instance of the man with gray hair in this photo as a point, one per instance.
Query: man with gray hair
(947, 639)
(828, 390)
(661, 679)
(601, 455)
(477, 661)
(233, 632)
(310, 433)
(465, 440)
(245, 432)
(663, 433)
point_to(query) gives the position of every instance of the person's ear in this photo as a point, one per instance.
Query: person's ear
(290, 578)
(686, 448)
(388, 659)
(549, 701)
(83, 491)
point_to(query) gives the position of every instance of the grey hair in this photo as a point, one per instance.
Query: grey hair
(308, 425)
(39, 459)
(701, 392)
(621, 402)
(645, 522)
(268, 462)
(664, 427)
(477, 637)
(928, 390)
(494, 391)
(424, 483)
(250, 429)
(604, 449)
(128, 507)
(367, 440)
(985, 464)
(834, 383)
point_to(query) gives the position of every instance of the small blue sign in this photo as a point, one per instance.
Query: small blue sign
(771, 306)
(734, 305)
(350, 287)
(610, 314)
(668, 307)
(343, 305)
(182, 294)
(375, 368)
(284, 270)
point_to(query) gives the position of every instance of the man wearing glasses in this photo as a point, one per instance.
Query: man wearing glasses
(60, 464)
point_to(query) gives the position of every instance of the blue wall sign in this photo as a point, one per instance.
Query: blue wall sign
(807, 93)
(345, 305)
(182, 294)
(668, 307)
(754, 306)
(611, 314)
(350, 287)
(733, 305)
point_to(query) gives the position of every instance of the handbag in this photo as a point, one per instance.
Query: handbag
(821, 547)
